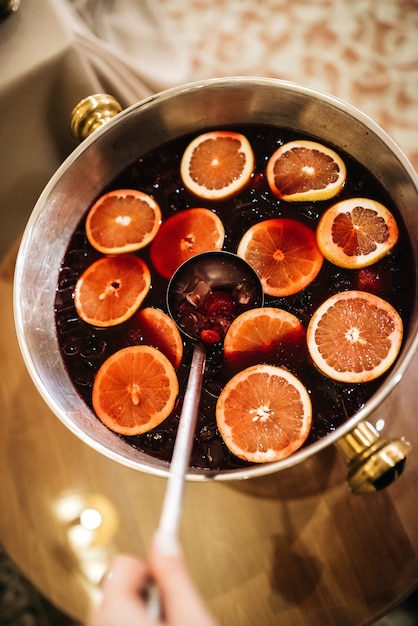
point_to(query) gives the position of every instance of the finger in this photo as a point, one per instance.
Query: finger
(121, 599)
(126, 576)
(180, 596)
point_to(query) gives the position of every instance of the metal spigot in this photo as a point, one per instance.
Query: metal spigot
(373, 463)
(93, 112)
(7, 7)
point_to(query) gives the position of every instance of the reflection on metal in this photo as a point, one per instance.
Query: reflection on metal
(380, 424)
(373, 463)
(91, 113)
(7, 7)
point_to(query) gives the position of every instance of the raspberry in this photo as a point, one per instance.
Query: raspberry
(370, 280)
(219, 302)
(210, 336)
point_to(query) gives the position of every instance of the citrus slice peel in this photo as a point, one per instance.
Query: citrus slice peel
(356, 233)
(284, 253)
(305, 170)
(260, 333)
(217, 164)
(264, 414)
(161, 332)
(122, 221)
(184, 235)
(135, 390)
(354, 336)
(111, 289)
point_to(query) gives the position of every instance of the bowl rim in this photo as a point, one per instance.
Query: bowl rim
(252, 471)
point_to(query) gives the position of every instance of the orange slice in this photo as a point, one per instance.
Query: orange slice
(217, 164)
(183, 235)
(122, 221)
(264, 414)
(357, 232)
(305, 170)
(111, 289)
(135, 390)
(354, 336)
(258, 335)
(159, 330)
(284, 253)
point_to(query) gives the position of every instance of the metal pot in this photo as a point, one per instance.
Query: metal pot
(373, 462)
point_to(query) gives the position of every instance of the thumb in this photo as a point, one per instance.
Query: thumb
(182, 602)
(121, 586)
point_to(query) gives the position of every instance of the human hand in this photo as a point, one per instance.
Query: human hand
(127, 579)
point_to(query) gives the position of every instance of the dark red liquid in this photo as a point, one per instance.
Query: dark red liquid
(84, 348)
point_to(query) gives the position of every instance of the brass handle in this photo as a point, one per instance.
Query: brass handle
(93, 112)
(373, 463)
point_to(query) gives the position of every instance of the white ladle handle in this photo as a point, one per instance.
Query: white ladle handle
(170, 515)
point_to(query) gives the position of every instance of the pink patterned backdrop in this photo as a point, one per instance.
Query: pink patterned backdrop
(362, 51)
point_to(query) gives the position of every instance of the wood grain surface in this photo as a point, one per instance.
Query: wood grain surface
(293, 548)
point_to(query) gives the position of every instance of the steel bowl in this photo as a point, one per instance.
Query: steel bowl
(142, 127)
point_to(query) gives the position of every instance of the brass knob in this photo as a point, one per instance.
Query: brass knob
(373, 463)
(93, 112)
(7, 7)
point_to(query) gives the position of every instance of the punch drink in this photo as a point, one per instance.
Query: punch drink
(84, 348)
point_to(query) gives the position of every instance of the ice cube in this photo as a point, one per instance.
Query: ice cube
(189, 322)
(245, 293)
(199, 291)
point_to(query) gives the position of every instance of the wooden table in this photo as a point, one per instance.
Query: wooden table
(294, 548)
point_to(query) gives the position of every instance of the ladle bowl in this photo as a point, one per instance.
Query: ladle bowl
(217, 270)
(91, 168)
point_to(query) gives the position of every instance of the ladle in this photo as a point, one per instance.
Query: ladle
(207, 272)
(192, 281)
